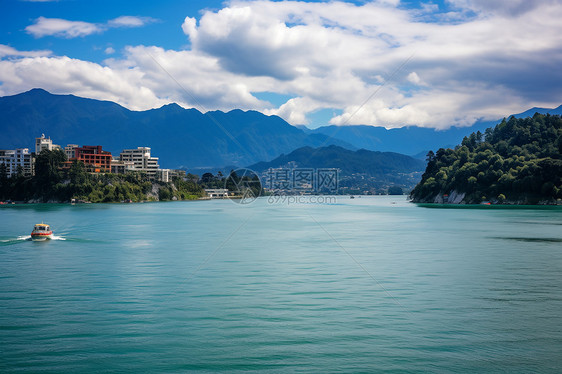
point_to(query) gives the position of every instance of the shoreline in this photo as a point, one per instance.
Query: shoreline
(489, 206)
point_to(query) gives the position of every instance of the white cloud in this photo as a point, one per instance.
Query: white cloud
(73, 29)
(508, 8)
(191, 79)
(357, 59)
(7, 51)
(414, 78)
(295, 110)
(66, 75)
(310, 48)
(130, 21)
(109, 51)
(189, 27)
(62, 28)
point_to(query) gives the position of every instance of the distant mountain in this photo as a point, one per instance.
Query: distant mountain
(532, 111)
(406, 140)
(382, 168)
(179, 137)
(412, 140)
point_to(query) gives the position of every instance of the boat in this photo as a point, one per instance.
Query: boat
(41, 231)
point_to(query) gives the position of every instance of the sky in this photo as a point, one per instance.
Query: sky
(390, 63)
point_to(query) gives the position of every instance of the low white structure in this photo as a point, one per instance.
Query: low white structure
(14, 158)
(217, 193)
(141, 159)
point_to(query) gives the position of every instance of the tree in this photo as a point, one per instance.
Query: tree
(192, 178)
(207, 178)
(77, 172)
(4, 181)
(47, 170)
(430, 156)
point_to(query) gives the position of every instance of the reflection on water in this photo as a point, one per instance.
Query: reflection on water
(530, 240)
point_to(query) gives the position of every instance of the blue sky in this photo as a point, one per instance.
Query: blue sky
(385, 63)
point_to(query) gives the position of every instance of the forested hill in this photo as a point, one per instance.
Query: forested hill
(518, 161)
(350, 162)
(357, 168)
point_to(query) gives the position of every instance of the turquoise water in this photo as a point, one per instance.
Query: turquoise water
(364, 285)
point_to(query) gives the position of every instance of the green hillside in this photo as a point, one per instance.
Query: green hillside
(518, 161)
(359, 171)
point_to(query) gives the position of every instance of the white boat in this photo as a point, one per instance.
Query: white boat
(41, 231)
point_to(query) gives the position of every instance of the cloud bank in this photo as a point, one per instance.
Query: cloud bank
(379, 63)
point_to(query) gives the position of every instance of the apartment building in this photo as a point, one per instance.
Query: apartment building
(95, 158)
(14, 158)
(141, 159)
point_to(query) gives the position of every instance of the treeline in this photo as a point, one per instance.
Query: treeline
(53, 183)
(518, 161)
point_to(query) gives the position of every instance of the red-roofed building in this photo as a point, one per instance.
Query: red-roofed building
(94, 158)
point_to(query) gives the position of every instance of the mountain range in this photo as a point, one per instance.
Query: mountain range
(414, 141)
(179, 137)
(187, 138)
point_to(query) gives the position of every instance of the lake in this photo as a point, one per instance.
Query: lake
(371, 284)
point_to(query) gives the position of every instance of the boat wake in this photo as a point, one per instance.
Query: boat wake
(23, 238)
(11, 241)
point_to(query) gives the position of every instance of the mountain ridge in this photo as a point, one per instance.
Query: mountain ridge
(187, 138)
(179, 137)
(413, 140)
(371, 169)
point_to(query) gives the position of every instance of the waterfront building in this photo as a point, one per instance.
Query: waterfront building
(70, 151)
(44, 143)
(95, 158)
(163, 175)
(15, 158)
(217, 193)
(141, 159)
(121, 167)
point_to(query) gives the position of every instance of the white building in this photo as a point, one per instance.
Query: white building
(217, 193)
(70, 151)
(164, 175)
(141, 159)
(44, 143)
(121, 167)
(13, 158)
